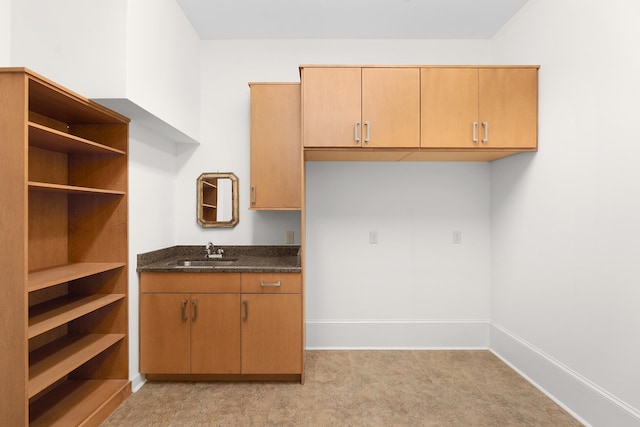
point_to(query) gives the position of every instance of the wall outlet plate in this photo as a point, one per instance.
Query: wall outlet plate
(290, 237)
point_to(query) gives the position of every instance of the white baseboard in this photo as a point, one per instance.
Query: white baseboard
(137, 382)
(588, 403)
(397, 334)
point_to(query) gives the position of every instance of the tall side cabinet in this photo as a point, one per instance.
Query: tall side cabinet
(63, 255)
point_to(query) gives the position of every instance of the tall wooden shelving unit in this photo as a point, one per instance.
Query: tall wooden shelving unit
(63, 254)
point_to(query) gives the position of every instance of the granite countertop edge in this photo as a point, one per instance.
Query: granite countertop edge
(250, 259)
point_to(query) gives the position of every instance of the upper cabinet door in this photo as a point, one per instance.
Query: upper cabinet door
(331, 102)
(391, 107)
(276, 161)
(508, 107)
(485, 108)
(450, 107)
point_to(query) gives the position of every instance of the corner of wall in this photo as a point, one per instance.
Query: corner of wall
(573, 392)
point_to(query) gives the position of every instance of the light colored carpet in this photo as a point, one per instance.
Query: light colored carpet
(356, 388)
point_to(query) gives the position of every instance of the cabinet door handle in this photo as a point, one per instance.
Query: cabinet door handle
(356, 129)
(270, 285)
(475, 131)
(184, 312)
(195, 309)
(245, 305)
(253, 194)
(486, 131)
(368, 137)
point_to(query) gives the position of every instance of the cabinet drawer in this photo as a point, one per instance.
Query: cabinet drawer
(269, 283)
(190, 282)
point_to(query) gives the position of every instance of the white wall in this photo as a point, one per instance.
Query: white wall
(415, 288)
(76, 43)
(143, 52)
(152, 165)
(5, 33)
(461, 320)
(565, 270)
(163, 63)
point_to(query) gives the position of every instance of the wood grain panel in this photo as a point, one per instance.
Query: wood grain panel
(215, 333)
(509, 104)
(331, 100)
(271, 334)
(391, 106)
(164, 334)
(275, 146)
(287, 283)
(58, 359)
(79, 402)
(449, 107)
(13, 248)
(190, 282)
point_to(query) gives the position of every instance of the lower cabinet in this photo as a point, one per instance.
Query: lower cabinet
(221, 323)
(190, 333)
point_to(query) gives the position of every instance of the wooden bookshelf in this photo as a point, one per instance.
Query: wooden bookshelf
(50, 315)
(52, 139)
(70, 189)
(53, 361)
(80, 403)
(47, 277)
(64, 223)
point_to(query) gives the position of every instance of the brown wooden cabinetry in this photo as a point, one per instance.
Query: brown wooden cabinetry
(272, 323)
(484, 108)
(189, 323)
(371, 107)
(189, 333)
(276, 159)
(220, 323)
(63, 255)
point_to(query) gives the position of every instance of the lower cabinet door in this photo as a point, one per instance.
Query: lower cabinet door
(215, 333)
(271, 334)
(164, 334)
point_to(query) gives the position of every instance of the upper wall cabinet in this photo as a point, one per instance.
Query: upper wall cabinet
(485, 108)
(276, 160)
(369, 107)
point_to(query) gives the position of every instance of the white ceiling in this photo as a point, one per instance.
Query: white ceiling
(348, 19)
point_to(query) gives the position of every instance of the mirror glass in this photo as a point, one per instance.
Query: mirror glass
(218, 204)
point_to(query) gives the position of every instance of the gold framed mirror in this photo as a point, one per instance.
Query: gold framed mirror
(218, 204)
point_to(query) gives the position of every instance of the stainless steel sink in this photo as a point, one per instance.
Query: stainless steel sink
(206, 263)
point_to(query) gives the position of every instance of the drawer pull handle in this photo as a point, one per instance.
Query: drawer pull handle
(270, 285)
(184, 313)
(195, 309)
(245, 304)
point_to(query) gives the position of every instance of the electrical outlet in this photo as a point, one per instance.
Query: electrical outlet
(289, 237)
(373, 237)
(457, 237)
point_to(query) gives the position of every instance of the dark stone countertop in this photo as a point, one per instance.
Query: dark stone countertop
(248, 259)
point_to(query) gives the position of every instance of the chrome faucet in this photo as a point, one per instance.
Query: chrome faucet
(213, 252)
